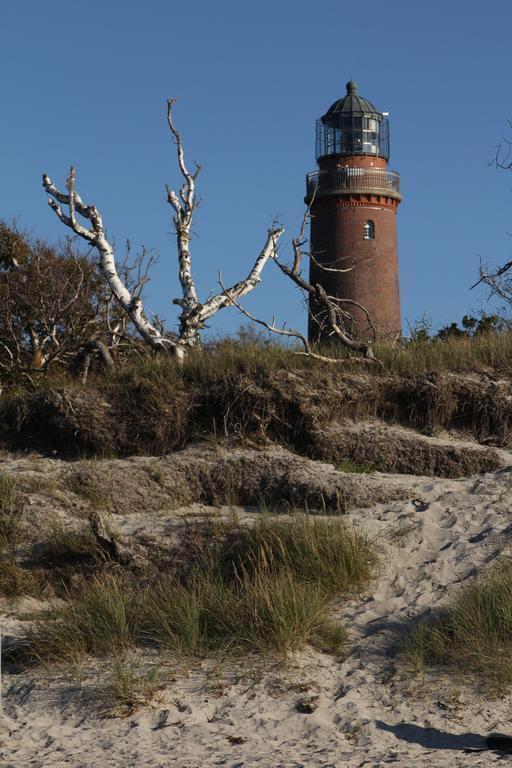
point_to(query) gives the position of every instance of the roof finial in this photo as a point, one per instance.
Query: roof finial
(351, 88)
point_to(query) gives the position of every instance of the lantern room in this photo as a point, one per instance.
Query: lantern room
(352, 126)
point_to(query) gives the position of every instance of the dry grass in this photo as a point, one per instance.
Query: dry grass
(250, 391)
(267, 589)
(11, 510)
(130, 685)
(474, 632)
(359, 468)
(452, 355)
(64, 543)
(229, 358)
(84, 484)
(16, 581)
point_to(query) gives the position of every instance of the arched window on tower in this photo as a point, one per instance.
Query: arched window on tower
(369, 230)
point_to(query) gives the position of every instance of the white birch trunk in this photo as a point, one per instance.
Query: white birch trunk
(132, 305)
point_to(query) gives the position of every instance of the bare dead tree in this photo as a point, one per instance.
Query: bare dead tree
(331, 314)
(499, 280)
(194, 313)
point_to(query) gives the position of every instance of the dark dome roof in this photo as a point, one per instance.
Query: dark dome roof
(350, 104)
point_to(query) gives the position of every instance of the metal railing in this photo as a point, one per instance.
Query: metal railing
(336, 180)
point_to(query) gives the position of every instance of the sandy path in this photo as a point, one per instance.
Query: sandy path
(367, 715)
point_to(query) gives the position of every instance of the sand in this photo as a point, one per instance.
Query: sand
(366, 710)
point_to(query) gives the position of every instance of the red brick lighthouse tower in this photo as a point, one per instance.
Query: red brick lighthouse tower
(353, 216)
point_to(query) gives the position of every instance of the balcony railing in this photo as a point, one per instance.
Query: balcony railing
(339, 180)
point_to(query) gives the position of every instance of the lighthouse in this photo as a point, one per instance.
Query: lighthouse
(354, 199)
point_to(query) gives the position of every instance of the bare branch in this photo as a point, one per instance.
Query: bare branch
(132, 305)
(182, 223)
(291, 333)
(189, 187)
(301, 240)
(342, 335)
(243, 287)
(330, 306)
(126, 288)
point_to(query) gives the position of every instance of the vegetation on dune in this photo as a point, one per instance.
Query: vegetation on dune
(314, 550)
(75, 379)
(152, 406)
(13, 579)
(268, 589)
(11, 529)
(130, 684)
(473, 633)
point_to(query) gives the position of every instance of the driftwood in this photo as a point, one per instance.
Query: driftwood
(109, 546)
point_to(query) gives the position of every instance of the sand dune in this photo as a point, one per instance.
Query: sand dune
(366, 712)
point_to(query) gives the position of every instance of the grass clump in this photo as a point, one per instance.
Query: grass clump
(401, 532)
(64, 544)
(11, 529)
(261, 612)
(102, 619)
(16, 581)
(331, 638)
(266, 589)
(316, 551)
(474, 632)
(129, 685)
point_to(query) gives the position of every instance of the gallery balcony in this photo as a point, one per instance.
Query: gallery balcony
(334, 181)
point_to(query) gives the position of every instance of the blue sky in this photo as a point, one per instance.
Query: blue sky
(87, 84)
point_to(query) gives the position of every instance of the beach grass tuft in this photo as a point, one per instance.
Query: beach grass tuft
(473, 633)
(268, 588)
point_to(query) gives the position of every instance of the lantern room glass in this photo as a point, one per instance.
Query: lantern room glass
(353, 134)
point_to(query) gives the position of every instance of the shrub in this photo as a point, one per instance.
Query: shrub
(49, 299)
